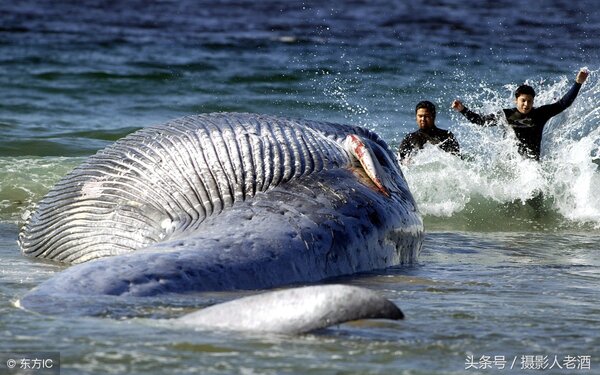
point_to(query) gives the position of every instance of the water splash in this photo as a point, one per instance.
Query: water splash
(492, 176)
(572, 156)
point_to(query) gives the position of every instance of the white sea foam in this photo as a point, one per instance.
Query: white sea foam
(492, 170)
(24, 180)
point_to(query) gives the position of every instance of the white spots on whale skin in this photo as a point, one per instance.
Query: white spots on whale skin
(168, 226)
(92, 189)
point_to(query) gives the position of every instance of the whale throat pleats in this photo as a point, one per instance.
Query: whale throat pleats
(166, 179)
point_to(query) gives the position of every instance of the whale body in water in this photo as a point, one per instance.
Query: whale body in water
(225, 201)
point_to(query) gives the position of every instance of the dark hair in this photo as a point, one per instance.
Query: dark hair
(525, 90)
(427, 105)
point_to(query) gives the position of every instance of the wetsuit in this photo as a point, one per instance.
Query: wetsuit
(528, 128)
(416, 140)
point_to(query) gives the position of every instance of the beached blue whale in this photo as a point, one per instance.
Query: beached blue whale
(223, 202)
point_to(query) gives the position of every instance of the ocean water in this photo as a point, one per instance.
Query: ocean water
(500, 287)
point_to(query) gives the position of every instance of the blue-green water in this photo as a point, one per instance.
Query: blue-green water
(495, 278)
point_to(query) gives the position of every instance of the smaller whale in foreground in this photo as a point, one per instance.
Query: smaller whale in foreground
(293, 311)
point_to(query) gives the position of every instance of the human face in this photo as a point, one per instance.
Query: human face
(524, 103)
(425, 119)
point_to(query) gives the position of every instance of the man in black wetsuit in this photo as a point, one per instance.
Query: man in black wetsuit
(526, 121)
(427, 133)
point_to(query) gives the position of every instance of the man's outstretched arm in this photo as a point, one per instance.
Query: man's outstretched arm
(568, 99)
(488, 120)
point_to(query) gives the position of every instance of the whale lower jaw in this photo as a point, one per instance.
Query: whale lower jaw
(292, 311)
(287, 311)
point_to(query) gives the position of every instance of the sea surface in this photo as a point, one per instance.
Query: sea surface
(502, 285)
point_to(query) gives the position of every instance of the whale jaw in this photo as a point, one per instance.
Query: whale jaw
(293, 311)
